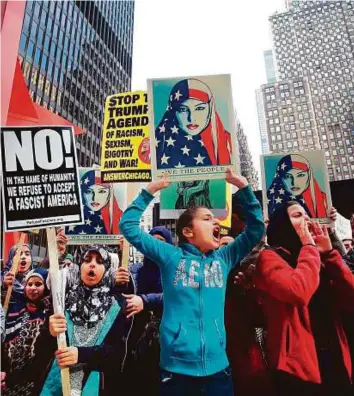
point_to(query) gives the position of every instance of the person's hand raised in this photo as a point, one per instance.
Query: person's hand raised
(321, 237)
(236, 180)
(158, 185)
(62, 241)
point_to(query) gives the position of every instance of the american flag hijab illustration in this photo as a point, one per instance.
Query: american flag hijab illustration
(105, 217)
(175, 147)
(284, 186)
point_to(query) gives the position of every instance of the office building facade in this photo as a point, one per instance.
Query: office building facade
(262, 122)
(73, 55)
(269, 64)
(246, 163)
(314, 45)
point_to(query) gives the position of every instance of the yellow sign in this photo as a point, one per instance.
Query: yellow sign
(225, 221)
(125, 141)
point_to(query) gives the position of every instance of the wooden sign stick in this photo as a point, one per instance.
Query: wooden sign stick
(55, 280)
(125, 255)
(14, 269)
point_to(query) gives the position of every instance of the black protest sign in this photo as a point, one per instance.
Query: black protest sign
(40, 178)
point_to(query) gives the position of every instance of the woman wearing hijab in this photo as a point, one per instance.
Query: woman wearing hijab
(306, 287)
(294, 180)
(97, 329)
(28, 346)
(24, 267)
(191, 132)
(101, 209)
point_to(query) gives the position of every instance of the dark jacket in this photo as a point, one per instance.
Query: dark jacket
(148, 277)
(29, 359)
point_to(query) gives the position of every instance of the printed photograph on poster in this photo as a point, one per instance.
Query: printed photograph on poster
(300, 177)
(104, 204)
(40, 177)
(176, 198)
(125, 139)
(192, 127)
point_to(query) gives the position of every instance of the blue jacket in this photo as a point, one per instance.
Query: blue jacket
(192, 332)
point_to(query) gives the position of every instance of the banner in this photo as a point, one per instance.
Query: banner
(192, 127)
(343, 227)
(104, 204)
(300, 177)
(176, 198)
(125, 143)
(40, 179)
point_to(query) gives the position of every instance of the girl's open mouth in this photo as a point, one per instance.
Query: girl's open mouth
(216, 233)
(91, 273)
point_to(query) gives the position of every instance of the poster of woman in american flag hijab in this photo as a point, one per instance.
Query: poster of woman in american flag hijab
(104, 204)
(300, 177)
(191, 127)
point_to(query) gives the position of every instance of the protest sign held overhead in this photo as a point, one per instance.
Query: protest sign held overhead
(103, 204)
(178, 197)
(343, 227)
(125, 142)
(300, 177)
(40, 178)
(192, 127)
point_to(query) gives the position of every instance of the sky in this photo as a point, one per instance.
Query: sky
(174, 38)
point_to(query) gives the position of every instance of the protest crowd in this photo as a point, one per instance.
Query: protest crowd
(273, 312)
(265, 308)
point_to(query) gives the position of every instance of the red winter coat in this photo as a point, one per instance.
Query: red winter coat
(288, 291)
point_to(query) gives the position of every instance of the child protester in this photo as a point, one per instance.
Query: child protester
(194, 275)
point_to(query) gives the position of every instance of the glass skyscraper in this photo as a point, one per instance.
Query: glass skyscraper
(73, 55)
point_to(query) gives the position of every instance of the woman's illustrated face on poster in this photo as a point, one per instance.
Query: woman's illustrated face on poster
(193, 116)
(296, 181)
(96, 197)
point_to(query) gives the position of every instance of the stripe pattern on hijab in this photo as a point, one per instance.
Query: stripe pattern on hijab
(88, 305)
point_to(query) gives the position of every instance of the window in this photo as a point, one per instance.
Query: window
(37, 56)
(34, 76)
(23, 41)
(30, 49)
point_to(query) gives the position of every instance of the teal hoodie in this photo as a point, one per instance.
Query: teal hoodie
(192, 331)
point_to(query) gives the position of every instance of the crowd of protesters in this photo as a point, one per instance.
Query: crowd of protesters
(268, 312)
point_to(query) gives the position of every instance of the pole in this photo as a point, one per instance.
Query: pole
(57, 296)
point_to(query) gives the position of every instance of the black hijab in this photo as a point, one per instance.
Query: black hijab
(281, 234)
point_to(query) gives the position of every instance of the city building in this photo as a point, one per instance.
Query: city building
(246, 163)
(73, 55)
(262, 122)
(314, 52)
(290, 119)
(270, 66)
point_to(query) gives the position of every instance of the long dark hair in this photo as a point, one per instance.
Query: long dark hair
(185, 220)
